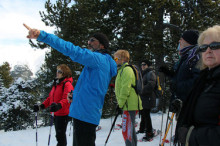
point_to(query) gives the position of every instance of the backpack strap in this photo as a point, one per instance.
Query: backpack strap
(135, 74)
(64, 84)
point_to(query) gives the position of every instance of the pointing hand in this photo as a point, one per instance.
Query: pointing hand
(33, 33)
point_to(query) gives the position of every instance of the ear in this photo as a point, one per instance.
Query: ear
(102, 46)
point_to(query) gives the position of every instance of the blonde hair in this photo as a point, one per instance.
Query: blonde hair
(123, 54)
(214, 33)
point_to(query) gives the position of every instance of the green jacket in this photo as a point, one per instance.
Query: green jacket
(125, 93)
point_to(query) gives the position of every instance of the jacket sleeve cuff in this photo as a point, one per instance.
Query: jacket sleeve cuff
(42, 36)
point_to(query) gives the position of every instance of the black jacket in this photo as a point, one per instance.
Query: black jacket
(183, 79)
(148, 96)
(202, 110)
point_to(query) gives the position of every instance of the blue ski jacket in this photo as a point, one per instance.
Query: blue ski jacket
(92, 85)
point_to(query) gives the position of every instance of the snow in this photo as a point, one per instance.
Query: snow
(28, 137)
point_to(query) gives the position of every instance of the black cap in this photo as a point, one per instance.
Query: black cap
(191, 36)
(147, 62)
(102, 39)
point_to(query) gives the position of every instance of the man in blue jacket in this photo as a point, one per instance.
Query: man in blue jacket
(92, 85)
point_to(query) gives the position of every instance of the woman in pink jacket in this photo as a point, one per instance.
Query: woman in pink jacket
(58, 103)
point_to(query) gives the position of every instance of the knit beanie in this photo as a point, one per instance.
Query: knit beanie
(102, 39)
(147, 62)
(191, 36)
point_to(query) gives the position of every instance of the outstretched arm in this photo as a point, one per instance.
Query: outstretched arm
(33, 33)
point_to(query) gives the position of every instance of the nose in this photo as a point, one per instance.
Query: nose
(208, 50)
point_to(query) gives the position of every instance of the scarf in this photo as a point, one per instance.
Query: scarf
(191, 55)
(57, 81)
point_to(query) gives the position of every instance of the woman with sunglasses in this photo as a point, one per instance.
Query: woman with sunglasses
(200, 122)
(58, 103)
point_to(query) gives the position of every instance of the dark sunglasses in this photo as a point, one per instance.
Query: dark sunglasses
(92, 40)
(143, 64)
(212, 46)
(59, 71)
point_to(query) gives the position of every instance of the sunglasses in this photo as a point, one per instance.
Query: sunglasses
(59, 71)
(92, 40)
(143, 64)
(212, 46)
(116, 58)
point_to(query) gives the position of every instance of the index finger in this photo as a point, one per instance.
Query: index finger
(27, 27)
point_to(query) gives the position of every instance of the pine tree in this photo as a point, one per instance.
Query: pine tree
(2, 93)
(16, 105)
(5, 73)
(22, 71)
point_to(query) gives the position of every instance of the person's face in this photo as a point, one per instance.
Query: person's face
(144, 66)
(210, 58)
(94, 44)
(118, 60)
(59, 73)
(183, 44)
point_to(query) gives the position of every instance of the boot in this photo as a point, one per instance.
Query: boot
(149, 136)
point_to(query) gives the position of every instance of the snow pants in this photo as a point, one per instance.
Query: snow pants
(128, 128)
(60, 123)
(146, 123)
(84, 134)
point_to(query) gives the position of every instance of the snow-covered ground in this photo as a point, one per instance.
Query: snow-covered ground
(27, 137)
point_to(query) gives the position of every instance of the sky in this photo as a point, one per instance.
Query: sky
(14, 46)
(28, 137)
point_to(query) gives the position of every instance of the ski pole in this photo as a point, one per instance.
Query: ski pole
(71, 122)
(51, 123)
(161, 126)
(163, 108)
(171, 131)
(36, 128)
(171, 120)
(113, 124)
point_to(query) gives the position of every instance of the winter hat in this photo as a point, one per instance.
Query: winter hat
(191, 36)
(102, 39)
(147, 62)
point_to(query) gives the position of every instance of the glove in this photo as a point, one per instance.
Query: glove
(176, 106)
(70, 95)
(166, 71)
(55, 107)
(119, 110)
(37, 107)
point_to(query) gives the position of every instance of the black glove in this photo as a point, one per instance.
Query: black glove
(37, 107)
(166, 71)
(70, 95)
(119, 110)
(55, 107)
(176, 106)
